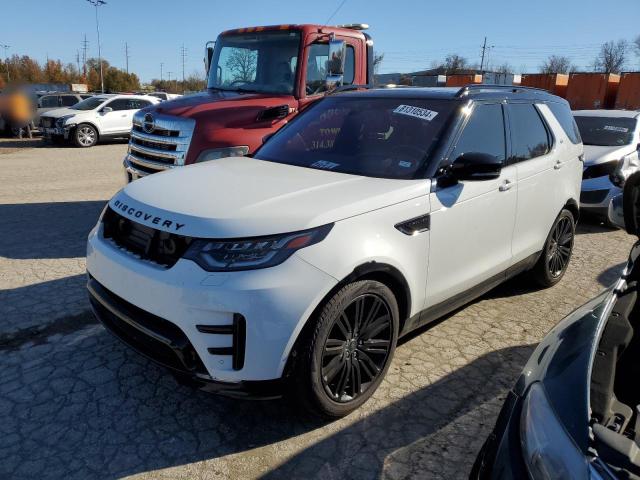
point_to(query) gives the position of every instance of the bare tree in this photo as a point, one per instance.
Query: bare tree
(242, 63)
(454, 63)
(377, 61)
(636, 45)
(612, 57)
(504, 68)
(557, 64)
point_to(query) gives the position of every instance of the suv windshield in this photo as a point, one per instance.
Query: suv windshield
(374, 137)
(257, 62)
(606, 131)
(89, 103)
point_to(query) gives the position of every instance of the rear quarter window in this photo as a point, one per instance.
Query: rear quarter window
(566, 121)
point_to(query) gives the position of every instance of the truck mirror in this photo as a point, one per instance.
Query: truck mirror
(335, 64)
(208, 55)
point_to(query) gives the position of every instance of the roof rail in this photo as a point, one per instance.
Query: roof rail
(481, 87)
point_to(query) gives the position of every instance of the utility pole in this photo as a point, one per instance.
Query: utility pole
(78, 61)
(484, 48)
(183, 54)
(85, 46)
(161, 65)
(169, 73)
(126, 54)
(99, 3)
(6, 60)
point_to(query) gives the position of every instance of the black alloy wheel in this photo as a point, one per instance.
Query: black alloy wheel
(560, 246)
(357, 348)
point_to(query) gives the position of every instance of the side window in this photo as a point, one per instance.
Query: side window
(84, 97)
(529, 135)
(118, 104)
(566, 120)
(68, 100)
(317, 57)
(137, 104)
(484, 133)
(49, 101)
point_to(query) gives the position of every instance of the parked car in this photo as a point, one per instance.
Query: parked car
(369, 215)
(53, 101)
(574, 411)
(98, 117)
(611, 141)
(164, 95)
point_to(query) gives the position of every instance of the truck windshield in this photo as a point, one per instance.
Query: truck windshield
(361, 135)
(257, 62)
(606, 131)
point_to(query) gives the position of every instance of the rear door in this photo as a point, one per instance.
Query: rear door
(472, 221)
(534, 154)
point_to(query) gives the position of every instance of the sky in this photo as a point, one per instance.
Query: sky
(412, 34)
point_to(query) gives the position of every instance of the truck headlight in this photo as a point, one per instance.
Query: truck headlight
(62, 120)
(548, 450)
(252, 253)
(626, 166)
(216, 153)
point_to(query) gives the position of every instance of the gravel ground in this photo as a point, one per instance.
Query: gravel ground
(75, 403)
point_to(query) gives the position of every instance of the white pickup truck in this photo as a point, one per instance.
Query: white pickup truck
(99, 117)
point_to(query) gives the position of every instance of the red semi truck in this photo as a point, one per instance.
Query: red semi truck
(258, 79)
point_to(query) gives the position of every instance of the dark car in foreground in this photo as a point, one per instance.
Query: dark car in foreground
(574, 412)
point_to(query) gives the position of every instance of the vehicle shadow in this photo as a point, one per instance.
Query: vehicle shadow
(47, 230)
(82, 405)
(608, 277)
(589, 224)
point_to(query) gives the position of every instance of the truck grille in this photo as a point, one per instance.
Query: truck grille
(157, 246)
(159, 142)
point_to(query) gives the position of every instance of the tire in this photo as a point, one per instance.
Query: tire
(340, 366)
(85, 136)
(556, 253)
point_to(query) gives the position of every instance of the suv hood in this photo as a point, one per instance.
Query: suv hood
(61, 112)
(594, 154)
(242, 197)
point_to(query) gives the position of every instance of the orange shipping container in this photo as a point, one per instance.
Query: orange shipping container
(462, 80)
(592, 90)
(628, 97)
(555, 83)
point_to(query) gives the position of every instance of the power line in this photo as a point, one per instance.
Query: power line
(335, 12)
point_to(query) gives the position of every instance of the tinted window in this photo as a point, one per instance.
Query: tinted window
(136, 104)
(484, 133)
(529, 135)
(606, 131)
(84, 97)
(318, 55)
(118, 104)
(563, 114)
(49, 101)
(89, 103)
(375, 137)
(68, 100)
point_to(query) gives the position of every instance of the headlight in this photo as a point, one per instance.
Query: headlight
(252, 253)
(548, 450)
(626, 166)
(61, 121)
(216, 153)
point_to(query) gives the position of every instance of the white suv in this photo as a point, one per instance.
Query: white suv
(102, 116)
(369, 215)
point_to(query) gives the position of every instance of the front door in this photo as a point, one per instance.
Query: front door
(472, 221)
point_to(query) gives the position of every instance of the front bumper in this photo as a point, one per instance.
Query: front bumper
(56, 132)
(203, 307)
(596, 194)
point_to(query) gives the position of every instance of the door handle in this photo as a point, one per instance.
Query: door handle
(558, 165)
(505, 186)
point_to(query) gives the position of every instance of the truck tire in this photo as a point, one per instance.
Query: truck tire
(556, 253)
(85, 136)
(347, 351)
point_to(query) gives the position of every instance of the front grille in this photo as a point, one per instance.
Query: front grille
(157, 246)
(47, 122)
(153, 336)
(599, 170)
(593, 196)
(159, 141)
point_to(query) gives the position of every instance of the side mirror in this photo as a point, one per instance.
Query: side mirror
(106, 110)
(476, 166)
(208, 55)
(335, 64)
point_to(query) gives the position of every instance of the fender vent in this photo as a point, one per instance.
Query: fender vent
(273, 113)
(238, 332)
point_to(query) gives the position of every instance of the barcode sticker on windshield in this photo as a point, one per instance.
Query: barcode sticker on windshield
(611, 128)
(422, 113)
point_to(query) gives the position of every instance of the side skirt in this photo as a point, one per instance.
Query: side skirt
(434, 312)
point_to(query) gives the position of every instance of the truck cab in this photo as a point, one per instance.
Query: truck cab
(258, 79)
